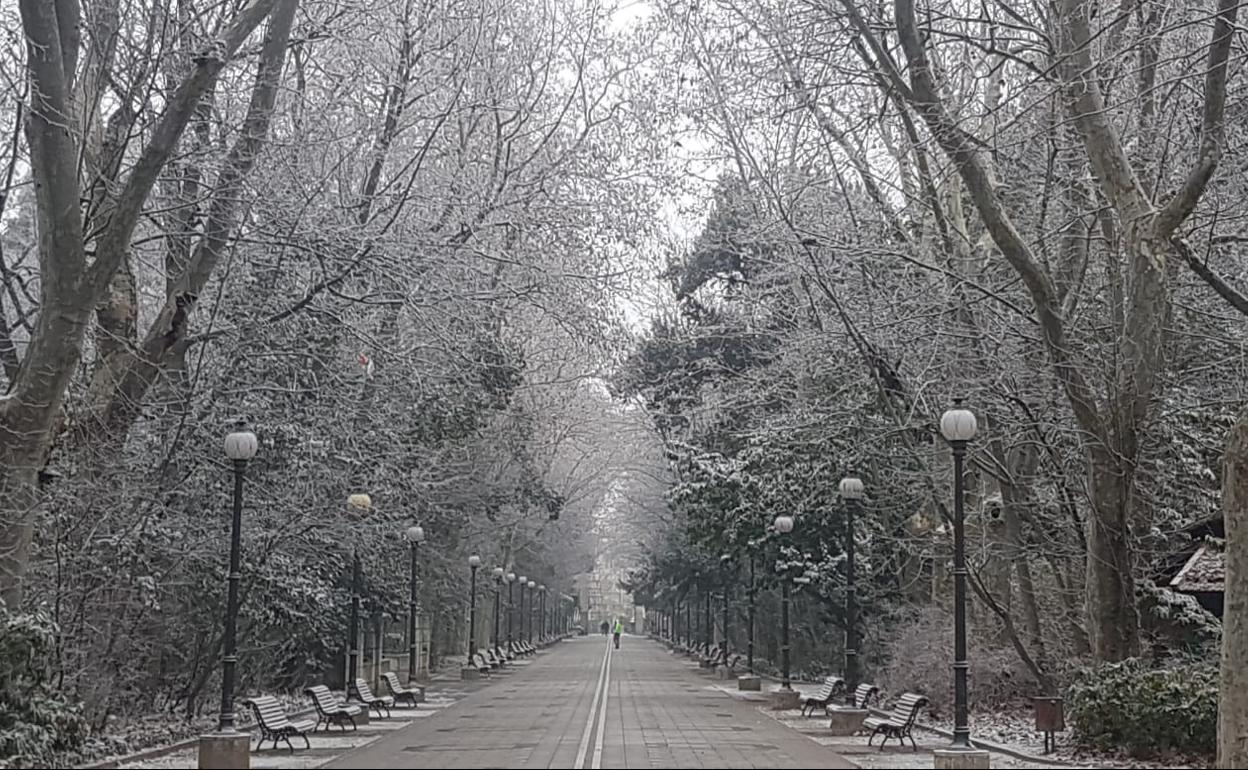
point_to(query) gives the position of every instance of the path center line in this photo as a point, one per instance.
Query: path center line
(593, 710)
(602, 716)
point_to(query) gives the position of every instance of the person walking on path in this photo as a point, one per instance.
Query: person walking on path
(605, 626)
(619, 629)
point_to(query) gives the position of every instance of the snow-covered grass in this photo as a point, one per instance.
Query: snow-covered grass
(1015, 729)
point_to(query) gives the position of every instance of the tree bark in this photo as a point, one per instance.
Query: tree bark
(70, 287)
(1111, 605)
(1111, 429)
(1233, 693)
(1015, 494)
(121, 382)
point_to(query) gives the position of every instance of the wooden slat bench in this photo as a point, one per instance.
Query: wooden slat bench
(491, 658)
(481, 664)
(899, 723)
(399, 692)
(329, 710)
(710, 655)
(862, 696)
(379, 703)
(275, 725)
(823, 696)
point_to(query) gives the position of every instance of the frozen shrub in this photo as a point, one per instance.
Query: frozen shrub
(36, 726)
(1146, 710)
(919, 658)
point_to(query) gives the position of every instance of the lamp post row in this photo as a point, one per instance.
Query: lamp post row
(240, 448)
(958, 426)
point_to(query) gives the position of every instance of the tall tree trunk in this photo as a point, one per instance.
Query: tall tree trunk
(1015, 493)
(1114, 619)
(1071, 614)
(69, 285)
(121, 382)
(1233, 693)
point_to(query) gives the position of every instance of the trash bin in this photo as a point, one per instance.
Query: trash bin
(1050, 718)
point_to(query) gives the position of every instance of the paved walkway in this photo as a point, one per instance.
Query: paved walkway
(583, 705)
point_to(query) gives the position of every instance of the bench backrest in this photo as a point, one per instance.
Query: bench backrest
(392, 681)
(364, 691)
(862, 695)
(907, 709)
(326, 702)
(269, 713)
(829, 686)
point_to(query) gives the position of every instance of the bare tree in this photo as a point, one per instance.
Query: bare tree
(71, 281)
(1112, 424)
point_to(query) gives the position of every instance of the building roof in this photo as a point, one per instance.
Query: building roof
(1204, 572)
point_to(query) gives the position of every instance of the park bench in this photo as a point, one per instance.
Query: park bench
(823, 696)
(275, 725)
(718, 659)
(399, 692)
(860, 699)
(899, 723)
(488, 655)
(504, 653)
(863, 694)
(329, 710)
(365, 695)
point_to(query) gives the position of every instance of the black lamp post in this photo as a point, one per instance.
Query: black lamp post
(784, 525)
(360, 503)
(725, 560)
(474, 562)
(749, 658)
(851, 493)
(541, 603)
(708, 625)
(958, 427)
(415, 536)
(524, 582)
(510, 577)
(240, 447)
(498, 590)
(673, 618)
(532, 586)
(689, 623)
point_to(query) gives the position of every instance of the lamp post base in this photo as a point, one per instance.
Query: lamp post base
(785, 700)
(960, 759)
(225, 751)
(469, 674)
(749, 683)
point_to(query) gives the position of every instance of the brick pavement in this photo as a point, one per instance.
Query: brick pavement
(661, 711)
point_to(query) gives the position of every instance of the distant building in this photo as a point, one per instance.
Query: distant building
(1198, 568)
